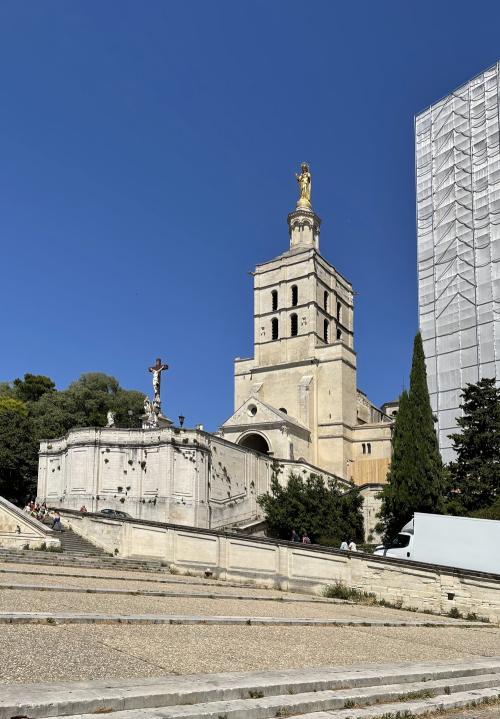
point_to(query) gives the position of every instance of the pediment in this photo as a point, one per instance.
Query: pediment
(256, 412)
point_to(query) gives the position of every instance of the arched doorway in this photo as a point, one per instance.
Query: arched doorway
(255, 441)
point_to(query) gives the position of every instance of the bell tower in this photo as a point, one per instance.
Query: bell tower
(304, 365)
(296, 398)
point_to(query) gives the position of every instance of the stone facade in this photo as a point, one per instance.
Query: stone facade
(182, 476)
(297, 396)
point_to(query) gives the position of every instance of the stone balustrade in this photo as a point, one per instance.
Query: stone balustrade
(293, 567)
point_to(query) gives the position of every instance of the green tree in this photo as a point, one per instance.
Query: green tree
(475, 475)
(32, 387)
(18, 454)
(416, 479)
(85, 403)
(32, 409)
(396, 495)
(14, 405)
(321, 509)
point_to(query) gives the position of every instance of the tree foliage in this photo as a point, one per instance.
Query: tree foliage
(12, 404)
(416, 479)
(18, 455)
(32, 387)
(313, 506)
(85, 403)
(475, 474)
(32, 409)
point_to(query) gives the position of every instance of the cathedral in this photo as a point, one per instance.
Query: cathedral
(297, 411)
(297, 396)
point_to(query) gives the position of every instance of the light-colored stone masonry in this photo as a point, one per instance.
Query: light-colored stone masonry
(19, 530)
(181, 476)
(293, 567)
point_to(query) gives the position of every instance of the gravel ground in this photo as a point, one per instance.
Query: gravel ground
(26, 600)
(190, 587)
(107, 571)
(151, 579)
(90, 652)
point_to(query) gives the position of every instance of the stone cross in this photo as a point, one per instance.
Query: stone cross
(157, 369)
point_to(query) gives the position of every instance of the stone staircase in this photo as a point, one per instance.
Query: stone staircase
(368, 691)
(72, 543)
(79, 555)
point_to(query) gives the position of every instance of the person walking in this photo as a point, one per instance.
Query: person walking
(56, 524)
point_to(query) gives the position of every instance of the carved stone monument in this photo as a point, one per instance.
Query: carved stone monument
(153, 416)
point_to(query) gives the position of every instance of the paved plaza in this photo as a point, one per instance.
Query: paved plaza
(123, 648)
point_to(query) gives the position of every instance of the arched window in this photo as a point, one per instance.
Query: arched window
(295, 295)
(274, 300)
(283, 409)
(325, 330)
(339, 335)
(294, 325)
(274, 328)
(364, 448)
(325, 300)
(368, 448)
(339, 311)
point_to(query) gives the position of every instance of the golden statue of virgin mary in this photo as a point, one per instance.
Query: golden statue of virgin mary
(304, 181)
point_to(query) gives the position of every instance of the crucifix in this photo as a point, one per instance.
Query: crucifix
(157, 369)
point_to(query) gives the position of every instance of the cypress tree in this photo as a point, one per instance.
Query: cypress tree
(416, 475)
(396, 499)
(428, 472)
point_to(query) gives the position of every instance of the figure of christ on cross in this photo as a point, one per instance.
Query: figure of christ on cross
(157, 369)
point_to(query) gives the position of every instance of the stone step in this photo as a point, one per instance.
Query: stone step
(76, 560)
(100, 618)
(162, 578)
(311, 702)
(158, 593)
(121, 695)
(426, 707)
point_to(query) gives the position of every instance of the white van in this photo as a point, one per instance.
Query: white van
(462, 542)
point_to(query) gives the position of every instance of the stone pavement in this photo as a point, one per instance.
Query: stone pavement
(123, 629)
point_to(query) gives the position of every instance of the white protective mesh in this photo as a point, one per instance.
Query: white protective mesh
(457, 162)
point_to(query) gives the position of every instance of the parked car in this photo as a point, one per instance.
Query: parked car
(115, 514)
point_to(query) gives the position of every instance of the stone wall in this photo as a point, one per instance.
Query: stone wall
(186, 477)
(294, 567)
(19, 530)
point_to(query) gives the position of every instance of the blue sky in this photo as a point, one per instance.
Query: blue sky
(147, 152)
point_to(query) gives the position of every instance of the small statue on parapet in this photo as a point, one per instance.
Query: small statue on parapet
(151, 411)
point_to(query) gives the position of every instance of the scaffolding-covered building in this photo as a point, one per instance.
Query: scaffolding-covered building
(457, 160)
